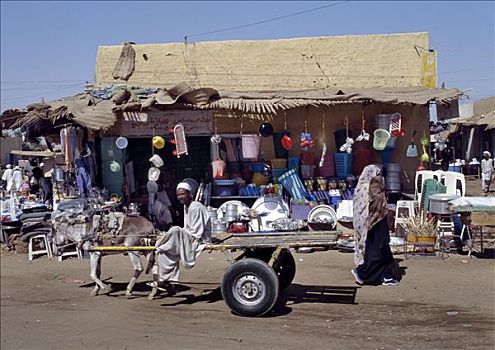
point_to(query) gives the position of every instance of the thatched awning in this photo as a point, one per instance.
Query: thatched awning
(83, 109)
(484, 114)
(101, 114)
(271, 101)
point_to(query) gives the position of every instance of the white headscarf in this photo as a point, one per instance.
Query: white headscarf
(487, 153)
(361, 211)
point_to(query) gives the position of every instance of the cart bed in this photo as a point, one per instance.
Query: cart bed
(254, 240)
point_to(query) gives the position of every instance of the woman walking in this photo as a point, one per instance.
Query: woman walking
(373, 258)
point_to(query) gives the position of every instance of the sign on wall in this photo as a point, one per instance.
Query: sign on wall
(196, 122)
(429, 69)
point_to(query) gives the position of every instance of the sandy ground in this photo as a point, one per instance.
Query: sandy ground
(439, 305)
(449, 304)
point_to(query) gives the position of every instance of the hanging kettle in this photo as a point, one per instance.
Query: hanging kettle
(266, 129)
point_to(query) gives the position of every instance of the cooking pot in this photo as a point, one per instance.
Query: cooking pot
(219, 226)
(439, 203)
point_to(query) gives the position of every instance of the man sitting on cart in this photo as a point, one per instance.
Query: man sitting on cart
(181, 244)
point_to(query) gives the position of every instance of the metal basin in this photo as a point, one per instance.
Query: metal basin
(439, 203)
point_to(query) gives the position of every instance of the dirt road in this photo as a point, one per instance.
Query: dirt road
(438, 305)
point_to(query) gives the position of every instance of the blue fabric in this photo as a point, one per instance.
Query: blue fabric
(83, 175)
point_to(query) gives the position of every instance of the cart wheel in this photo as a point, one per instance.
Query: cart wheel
(285, 266)
(250, 287)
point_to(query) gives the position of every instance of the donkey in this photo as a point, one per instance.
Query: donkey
(134, 231)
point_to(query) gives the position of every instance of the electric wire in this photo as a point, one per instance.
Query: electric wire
(264, 21)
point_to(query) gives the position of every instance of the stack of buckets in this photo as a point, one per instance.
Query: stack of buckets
(343, 160)
(392, 181)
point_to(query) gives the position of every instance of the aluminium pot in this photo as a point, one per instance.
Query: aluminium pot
(219, 226)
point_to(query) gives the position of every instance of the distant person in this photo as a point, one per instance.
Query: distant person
(486, 171)
(17, 179)
(7, 178)
(45, 186)
(373, 258)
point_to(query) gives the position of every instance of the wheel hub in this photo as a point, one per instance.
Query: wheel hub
(249, 289)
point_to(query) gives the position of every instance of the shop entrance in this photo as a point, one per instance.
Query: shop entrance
(195, 165)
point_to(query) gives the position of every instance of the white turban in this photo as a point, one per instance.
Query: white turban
(189, 185)
(487, 153)
(184, 186)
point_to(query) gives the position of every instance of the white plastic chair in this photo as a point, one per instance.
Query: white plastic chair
(421, 176)
(455, 183)
(45, 247)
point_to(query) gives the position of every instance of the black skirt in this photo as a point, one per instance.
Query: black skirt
(378, 262)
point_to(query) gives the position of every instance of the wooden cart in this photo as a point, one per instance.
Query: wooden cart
(251, 284)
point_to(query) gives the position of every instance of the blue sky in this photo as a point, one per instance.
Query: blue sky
(48, 49)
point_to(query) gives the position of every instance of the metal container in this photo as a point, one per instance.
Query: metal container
(59, 174)
(133, 209)
(219, 226)
(393, 168)
(212, 212)
(439, 203)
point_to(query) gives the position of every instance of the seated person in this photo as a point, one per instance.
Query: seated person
(181, 244)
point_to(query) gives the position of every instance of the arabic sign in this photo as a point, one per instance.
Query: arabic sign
(196, 122)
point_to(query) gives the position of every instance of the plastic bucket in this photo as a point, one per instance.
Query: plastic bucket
(293, 162)
(380, 139)
(382, 121)
(343, 164)
(386, 156)
(391, 143)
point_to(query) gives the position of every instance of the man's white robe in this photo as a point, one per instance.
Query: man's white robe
(183, 244)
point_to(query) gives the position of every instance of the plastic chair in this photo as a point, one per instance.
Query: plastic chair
(76, 252)
(455, 183)
(421, 176)
(43, 250)
(404, 209)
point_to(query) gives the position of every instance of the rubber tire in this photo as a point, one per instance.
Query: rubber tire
(285, 266)
(261, 271)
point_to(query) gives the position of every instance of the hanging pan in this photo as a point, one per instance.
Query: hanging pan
(412, 150)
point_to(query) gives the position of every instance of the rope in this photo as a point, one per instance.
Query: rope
(323, 125)
(306, 120)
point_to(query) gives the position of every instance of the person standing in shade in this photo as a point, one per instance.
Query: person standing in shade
(45, 186)
(486, 171)
(373, 258)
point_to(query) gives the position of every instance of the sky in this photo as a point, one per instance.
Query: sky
(48, 48)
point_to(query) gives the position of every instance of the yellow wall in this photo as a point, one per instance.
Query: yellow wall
(357, 61)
